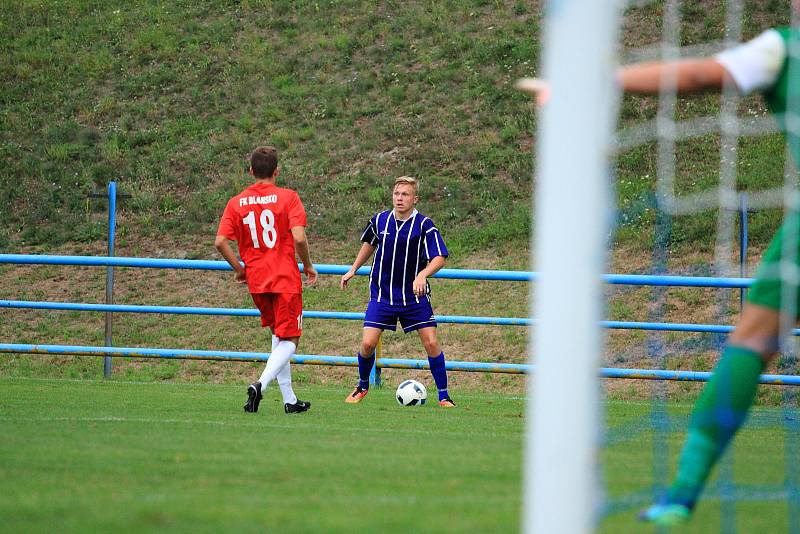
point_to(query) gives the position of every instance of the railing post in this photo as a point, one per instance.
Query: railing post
(742, 244)
(112, 223)
(375, 374)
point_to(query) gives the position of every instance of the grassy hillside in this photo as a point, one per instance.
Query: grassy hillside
(169, 98)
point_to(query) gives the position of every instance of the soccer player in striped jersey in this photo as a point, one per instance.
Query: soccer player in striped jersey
(769, 65)
(268, 224)
(408, 249)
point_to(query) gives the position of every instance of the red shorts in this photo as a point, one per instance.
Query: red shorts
(282, 312)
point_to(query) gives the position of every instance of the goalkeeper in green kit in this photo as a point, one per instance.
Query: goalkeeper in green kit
(770, 65)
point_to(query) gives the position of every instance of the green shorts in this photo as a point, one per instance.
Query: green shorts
(768, 288)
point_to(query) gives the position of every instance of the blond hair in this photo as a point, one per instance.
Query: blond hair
(407, 180)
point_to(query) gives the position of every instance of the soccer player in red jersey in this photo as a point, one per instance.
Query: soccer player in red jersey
(268, 224)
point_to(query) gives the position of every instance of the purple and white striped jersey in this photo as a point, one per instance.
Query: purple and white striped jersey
(404, 249)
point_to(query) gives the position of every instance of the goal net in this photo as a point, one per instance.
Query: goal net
(664, 185)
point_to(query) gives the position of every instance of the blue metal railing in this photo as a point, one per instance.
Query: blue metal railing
(112, 232)
(518, 276)
(350, 361)
(355, 316)
(454, 274)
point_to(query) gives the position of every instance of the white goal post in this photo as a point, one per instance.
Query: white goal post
(572, 214)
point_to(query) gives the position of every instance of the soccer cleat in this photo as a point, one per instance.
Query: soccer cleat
(356, 396)
(297, 407)
(666, 515)
(253, 398)
(447, 402)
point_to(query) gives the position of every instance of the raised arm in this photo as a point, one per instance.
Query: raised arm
(689, 75)
(363, 255)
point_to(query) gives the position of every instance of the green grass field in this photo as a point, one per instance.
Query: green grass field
(81, 456)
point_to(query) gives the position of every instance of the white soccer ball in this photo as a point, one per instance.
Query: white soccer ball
(411, 393)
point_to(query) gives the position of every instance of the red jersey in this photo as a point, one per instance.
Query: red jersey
(260, 220)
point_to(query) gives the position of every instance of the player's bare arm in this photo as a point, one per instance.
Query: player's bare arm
(688, 75)
(363, 255)
(421, 280)
(301, 247)
(224, 248)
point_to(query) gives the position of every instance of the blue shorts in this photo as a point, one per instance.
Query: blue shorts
(411, 316)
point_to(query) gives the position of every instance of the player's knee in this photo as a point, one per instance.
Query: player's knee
(431, 346)
(758, 329)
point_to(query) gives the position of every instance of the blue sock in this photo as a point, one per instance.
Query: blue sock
(439, 374)
(364, 369)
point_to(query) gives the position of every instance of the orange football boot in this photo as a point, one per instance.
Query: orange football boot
(357, 395)
(447, 403)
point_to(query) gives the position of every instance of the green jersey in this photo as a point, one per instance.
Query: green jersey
(766, 65)
(784, 95)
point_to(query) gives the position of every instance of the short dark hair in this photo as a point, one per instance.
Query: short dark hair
(264, 161)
